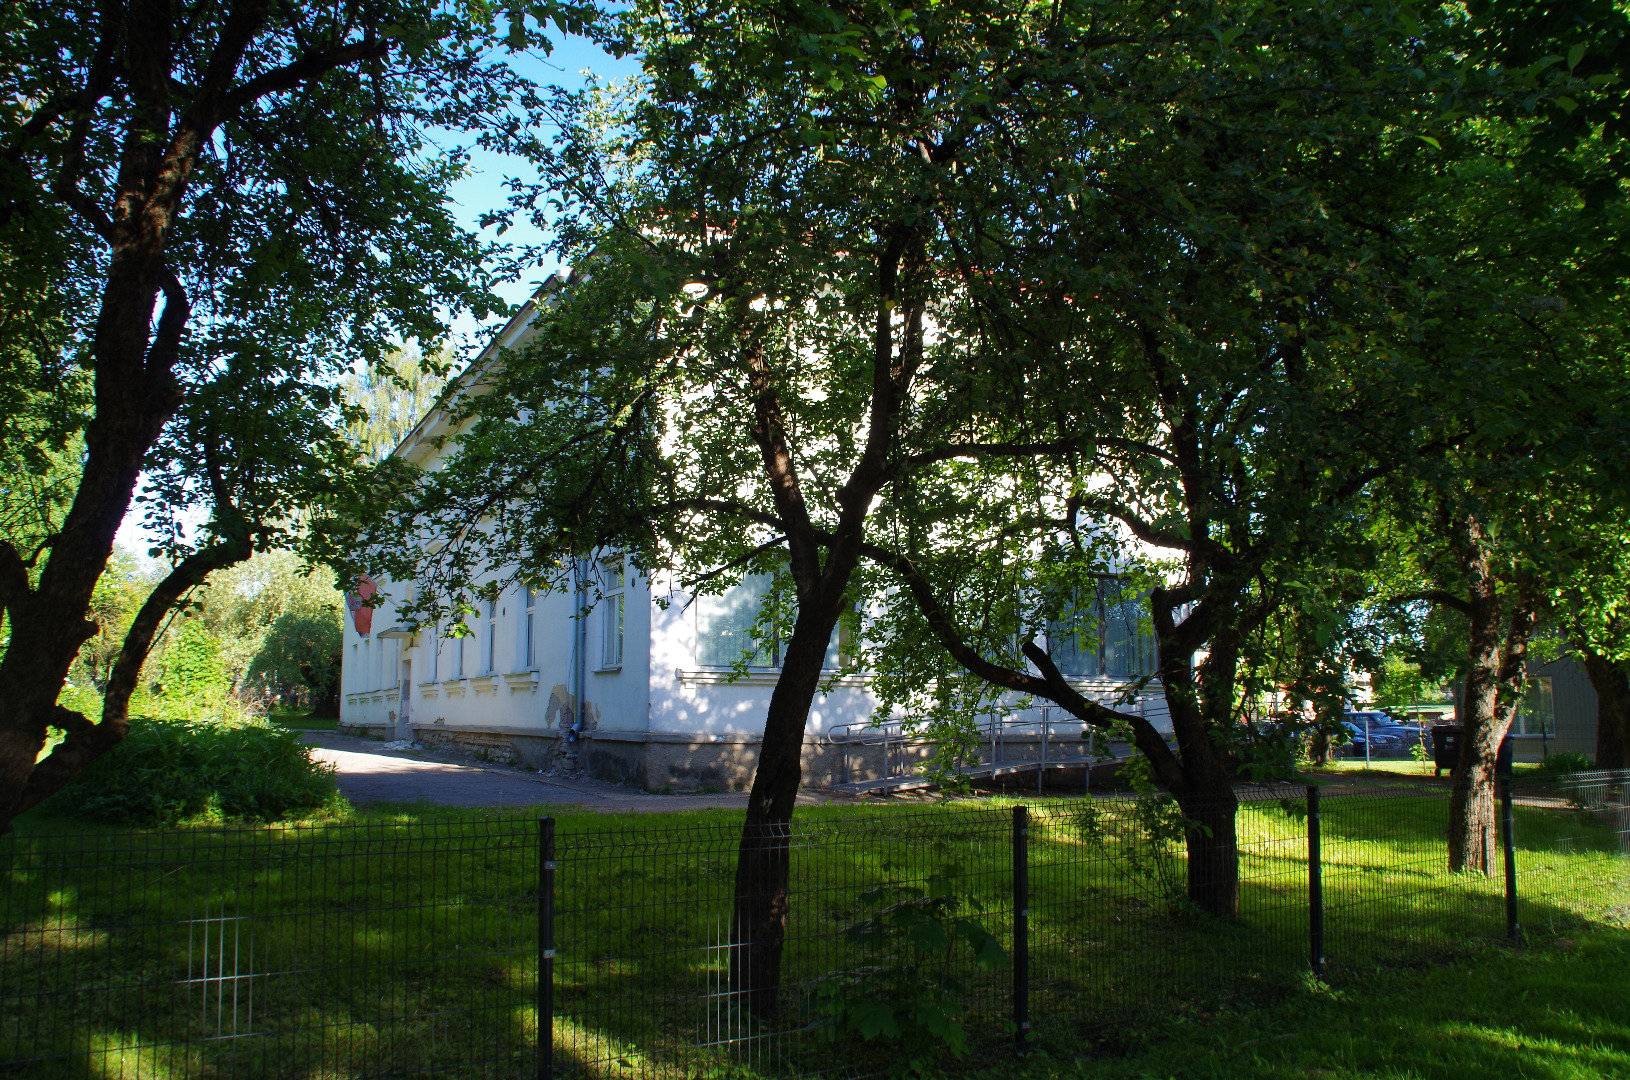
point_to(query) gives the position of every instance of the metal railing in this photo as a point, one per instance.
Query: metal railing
(1016, 741)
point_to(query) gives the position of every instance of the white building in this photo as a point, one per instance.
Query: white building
(637, 691)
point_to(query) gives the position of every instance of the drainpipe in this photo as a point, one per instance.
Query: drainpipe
(580, 588)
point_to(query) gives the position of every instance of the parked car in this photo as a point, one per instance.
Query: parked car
(1384, 736)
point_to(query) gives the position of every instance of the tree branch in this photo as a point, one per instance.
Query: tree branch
(87, 741)
(1434, 596)
(291, 75)
(1051, 685)
(1141, 529)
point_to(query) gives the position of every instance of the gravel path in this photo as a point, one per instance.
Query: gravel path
(368, 773)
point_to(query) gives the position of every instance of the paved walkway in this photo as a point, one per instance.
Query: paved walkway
(368, 773)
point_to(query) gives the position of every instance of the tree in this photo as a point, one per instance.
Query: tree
(193, 667)
(387, 402)
(873, 300)
(302, 649)
(269, 171)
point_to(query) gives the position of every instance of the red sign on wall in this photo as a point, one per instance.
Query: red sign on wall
(362, 616)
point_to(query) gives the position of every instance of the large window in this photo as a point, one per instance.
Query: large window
(611, 614)
(490, 660)
(1107, 637)
(529, 643)
(727, 629)
(1537, 714)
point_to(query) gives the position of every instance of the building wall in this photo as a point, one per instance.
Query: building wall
(1574, 704)
(658, 720)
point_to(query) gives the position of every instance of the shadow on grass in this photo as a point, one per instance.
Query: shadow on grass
(408, 945)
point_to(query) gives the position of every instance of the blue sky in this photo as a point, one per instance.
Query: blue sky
(483, 190)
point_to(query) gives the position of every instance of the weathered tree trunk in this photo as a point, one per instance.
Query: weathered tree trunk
(1213, 850)
(1498, 652)
(1612, 685)
(764, 858)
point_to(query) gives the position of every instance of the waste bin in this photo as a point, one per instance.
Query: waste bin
(1446, 750)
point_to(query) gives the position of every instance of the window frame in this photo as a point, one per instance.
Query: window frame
(614, 613)
(529, 636)
(490, 656)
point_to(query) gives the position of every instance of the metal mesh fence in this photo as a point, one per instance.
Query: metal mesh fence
(414, 949)
(347, 950)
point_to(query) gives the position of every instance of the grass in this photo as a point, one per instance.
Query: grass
(300, 720)
(1554, 1009)
(405, 933)
(1394, 767)
(1391, 767)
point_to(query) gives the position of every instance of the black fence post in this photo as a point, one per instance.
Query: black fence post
(1509, 843)
(546, 948)
(1021, 926)
(1315, 885)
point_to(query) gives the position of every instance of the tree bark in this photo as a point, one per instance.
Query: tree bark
(764, 858)
(1213, 850)
(1612, 685)
(1498, 652)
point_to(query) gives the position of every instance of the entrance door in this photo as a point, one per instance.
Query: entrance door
(404, 708)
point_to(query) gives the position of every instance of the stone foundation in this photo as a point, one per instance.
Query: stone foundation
(673, 762)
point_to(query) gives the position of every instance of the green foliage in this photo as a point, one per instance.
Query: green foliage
(384, 403)
(905, 989)
(245, 605)
(172, 770)
(1401, 682)
(1559, 764)
(1143, 840)
(302, 649)
(192, 667)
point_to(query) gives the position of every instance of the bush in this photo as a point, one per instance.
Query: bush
(170, 770)
(1559, 764)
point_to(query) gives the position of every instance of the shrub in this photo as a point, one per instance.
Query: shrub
(904, 989)
(192, 664)
(1557, 764)
(169, 770)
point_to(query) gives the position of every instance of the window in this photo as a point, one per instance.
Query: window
(1537, 712)
(458, 656)
(612, 610)
(435, 651)
(726, 626)
(727, 629)
(1107, 637)
(529, 645)
(492, 637)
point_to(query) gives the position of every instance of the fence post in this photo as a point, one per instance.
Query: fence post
(1315, 885)
(546, 948)
(1509, 843)
(1021, 926)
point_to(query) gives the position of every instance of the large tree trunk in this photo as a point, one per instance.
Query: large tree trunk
(1612, 685)
(1213, 850)
(764, 858)
(1498, 652)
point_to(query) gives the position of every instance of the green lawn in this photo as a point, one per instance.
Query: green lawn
(295, 718)
(404, 934)
(1558, 1009)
